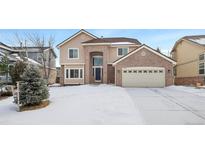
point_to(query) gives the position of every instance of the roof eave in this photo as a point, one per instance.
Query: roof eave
(74, 35)
(149, 48)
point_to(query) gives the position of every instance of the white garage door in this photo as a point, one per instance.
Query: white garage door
(143, 77)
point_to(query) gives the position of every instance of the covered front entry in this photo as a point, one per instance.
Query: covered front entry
(143, 77)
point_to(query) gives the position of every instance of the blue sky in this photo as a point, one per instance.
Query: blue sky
(162, 38)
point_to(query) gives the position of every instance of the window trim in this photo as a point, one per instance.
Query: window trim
(74, 68)
(73, 49)
(121, 48)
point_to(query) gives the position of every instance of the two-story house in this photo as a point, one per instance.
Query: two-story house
(34, 55)
(189, 53)
(86, 59)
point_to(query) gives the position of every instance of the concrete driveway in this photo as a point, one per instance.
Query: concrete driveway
(171, 105)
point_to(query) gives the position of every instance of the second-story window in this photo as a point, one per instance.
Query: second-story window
(202, 57)
(122, 51)
(73, 53)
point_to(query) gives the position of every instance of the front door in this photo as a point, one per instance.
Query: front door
(98, 74)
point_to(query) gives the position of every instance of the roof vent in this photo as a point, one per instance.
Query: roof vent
(101, 37)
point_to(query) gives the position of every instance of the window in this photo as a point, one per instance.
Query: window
(150, 71)
(202, 56)
(74, 73)
(130, 71)
(73, 53)
(160, 71)
(122, 51)
(201, 68)
(66, 73)
(145, 71)
(97, 61)
(135, 71)
(125, 71)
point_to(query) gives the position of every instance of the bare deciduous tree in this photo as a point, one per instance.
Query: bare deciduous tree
(39, 41)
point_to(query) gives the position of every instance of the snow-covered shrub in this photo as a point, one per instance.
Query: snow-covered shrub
(17, 71)
(33, 88)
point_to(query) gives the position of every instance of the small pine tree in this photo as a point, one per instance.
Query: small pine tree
(33, 88)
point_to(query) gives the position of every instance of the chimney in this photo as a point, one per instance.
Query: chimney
(101, 37)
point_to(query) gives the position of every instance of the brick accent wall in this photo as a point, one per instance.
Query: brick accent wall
(110, 74)
(145, 58)
(189, 80)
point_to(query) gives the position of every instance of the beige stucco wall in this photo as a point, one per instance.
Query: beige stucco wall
(74, 43)
(187, 57)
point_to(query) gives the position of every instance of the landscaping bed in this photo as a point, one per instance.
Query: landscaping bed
(34, 107)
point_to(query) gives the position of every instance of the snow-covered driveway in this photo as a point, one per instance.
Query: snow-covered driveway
(86, 104)
(107, 104)
(170, 105)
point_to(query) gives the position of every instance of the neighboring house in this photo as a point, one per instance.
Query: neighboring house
(33, 55)
(189, 53)
(87, 59)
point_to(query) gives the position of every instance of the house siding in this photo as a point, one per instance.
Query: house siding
(187, 58)
(187, 69)
(149, 60)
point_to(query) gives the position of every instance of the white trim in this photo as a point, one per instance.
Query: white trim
(148, 48)
(122, 48)
(81, 31)
(84, 44)
(72, 63)
(69, 53)
(74, 68)
(111, 44)
(124, 45)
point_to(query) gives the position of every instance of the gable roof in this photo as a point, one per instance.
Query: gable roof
(196, 39)
(16, 49)
(76, 34)
(114, 40)
(148, 48)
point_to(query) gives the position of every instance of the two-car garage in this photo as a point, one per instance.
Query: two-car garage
(143, 77)
(144, 67)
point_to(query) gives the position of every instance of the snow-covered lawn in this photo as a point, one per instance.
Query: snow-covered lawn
(86, 104)
(107, 104)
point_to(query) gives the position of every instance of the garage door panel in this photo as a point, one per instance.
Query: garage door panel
(143, 77)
